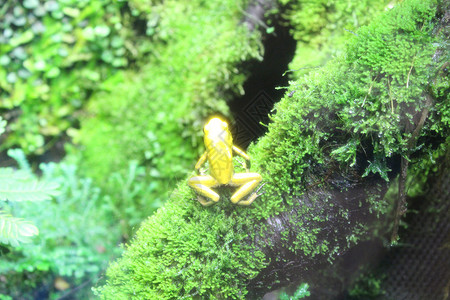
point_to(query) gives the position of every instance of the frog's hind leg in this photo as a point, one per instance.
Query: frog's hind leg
(247, 183)
(202, 184)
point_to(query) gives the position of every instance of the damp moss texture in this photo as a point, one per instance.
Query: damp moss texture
(322, 28)
(363, 103)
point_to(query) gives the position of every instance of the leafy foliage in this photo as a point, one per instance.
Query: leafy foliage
(367, 286)
(30, 190)
(183, 68)
(77, 238)
(370, 95)
(20, 186)
(127, 198)
(53, 54)
(17, 186)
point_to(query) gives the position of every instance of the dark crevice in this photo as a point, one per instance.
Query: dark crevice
(261, 93)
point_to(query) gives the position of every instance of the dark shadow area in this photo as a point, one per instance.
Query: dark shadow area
(253, 108)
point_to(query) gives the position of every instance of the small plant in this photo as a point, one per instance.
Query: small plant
(127, 198)
(367, 286)
(300, 293)
(18, 186)
(79, 237)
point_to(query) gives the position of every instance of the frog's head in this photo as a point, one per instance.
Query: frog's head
(217, 132)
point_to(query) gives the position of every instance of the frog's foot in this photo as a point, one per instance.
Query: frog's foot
(204, 201)
(249, 200)
(247, 182)
(252, 197)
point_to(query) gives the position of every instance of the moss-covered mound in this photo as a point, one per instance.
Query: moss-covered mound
(326, 161)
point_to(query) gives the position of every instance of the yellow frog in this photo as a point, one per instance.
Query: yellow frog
(219, 153)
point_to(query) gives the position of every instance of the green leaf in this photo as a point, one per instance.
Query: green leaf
(30, 4)
(19, 93)
(4, 60)
(107, 56)
(14, 230)
(11, 175)
(102, 30)
(71, 12)
(21, 39)
(40, 65)
(301, 292)
(117, 42)
(27, 229)
(270, 30)
(377, 167)
(27, 190)
(347, 152)
(53, 72)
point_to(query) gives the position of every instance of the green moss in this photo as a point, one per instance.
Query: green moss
(358, 104)
(322, 28)
(369, 96)
(354, 105)
(202, 252)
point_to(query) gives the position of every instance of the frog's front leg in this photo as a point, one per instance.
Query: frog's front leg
(247, 183)
(202, 184)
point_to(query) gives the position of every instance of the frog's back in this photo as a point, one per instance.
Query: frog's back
(219, 146)
(221, 163)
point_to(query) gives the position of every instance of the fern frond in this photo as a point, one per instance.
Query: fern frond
(15, 230)
(9, 174)
(32, 190)
(19, 156)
